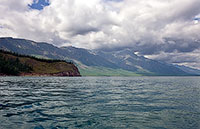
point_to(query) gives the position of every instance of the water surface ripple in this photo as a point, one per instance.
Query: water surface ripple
(100, 102)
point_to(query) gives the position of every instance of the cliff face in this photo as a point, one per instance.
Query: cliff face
(20, 65)
(72, 73)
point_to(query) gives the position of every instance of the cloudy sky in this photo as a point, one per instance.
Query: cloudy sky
(167, 30)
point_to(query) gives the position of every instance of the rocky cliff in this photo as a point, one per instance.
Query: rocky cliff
(20, 65)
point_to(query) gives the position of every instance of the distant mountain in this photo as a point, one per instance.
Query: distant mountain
(20, 65)
(95, 63)
(28, 47)
(127, 60)
(87, 58)
(188, 69)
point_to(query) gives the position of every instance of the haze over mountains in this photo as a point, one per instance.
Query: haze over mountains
(97, 62)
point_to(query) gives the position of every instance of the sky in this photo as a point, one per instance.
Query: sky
(166, 30)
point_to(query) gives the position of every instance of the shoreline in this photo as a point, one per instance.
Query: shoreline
(42, 75)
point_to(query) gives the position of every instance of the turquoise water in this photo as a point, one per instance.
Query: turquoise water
(100, 102)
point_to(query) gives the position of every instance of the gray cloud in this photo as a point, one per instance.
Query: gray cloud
(191, 59)
(82, 30)
(170, 45)
(150, 27)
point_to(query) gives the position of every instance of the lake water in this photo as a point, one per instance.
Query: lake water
(100, 102)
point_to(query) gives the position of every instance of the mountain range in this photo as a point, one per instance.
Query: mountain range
(97, 62)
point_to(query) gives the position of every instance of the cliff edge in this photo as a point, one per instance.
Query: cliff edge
(12, 64)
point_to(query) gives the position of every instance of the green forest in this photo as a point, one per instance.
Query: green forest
(12, 66)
